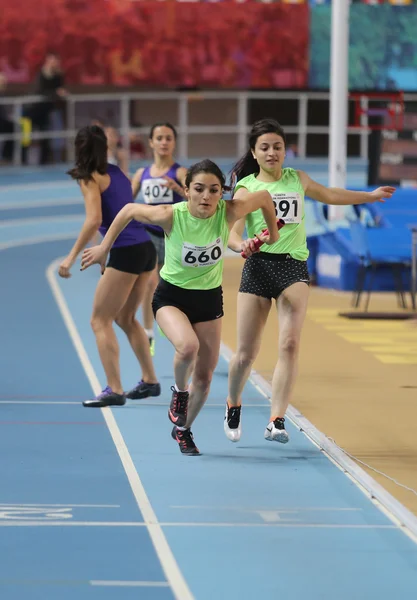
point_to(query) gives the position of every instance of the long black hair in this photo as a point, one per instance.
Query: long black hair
(90, 153)
(206, 166)
(162, 124)
(247, 164)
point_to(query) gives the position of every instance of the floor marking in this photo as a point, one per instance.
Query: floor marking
(54, 237)
(289, 509)
(132, 404)
(171, 569)
(93, 582)
(23, 187)
(36, 402)
(77, 219)
(392, 337)
(65, 505)
(130, 583)
(30, 513)
(279, 524)
(40, 203)
(404, 519)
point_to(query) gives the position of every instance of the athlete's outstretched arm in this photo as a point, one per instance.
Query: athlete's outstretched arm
(92, 222)
(152, 215)
(341, 197)
(245, 202)
(236, 236)
(136, 181)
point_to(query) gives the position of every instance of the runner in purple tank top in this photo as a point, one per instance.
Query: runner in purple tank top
(161, 183)
(132, 259)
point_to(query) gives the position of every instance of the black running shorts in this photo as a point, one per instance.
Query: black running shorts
(198, 305)
(268, 275)
(136, 259)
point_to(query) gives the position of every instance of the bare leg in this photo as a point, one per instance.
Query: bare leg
(292, 308)
(112, 292)
(148, 293)
(182, 336)
(209, 335)
(126, 319)
(252, 314)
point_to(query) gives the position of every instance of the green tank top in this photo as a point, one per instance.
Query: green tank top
(194, 250)
(288, 197)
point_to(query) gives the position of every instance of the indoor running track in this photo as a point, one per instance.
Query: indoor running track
(99, 504)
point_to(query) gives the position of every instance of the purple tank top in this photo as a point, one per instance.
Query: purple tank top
(117, 195)
(154, 192)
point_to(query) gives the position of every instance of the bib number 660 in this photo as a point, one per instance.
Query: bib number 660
(203, 257)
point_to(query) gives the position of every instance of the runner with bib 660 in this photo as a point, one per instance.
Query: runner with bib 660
(188, 303)
(277, 271)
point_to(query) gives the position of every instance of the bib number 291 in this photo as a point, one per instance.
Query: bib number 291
(288, 207)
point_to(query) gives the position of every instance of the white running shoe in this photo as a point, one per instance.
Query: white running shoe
(275, 431)
(232, 427)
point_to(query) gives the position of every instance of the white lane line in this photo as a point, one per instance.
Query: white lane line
(40, 239)
(279, 508)
(37, 220)
(2, 505)
(169, 564)
(36, 402)
(30, 187)
(138, 404)
(21, 204)
(129, 583)
(278, 524)
(404, 519)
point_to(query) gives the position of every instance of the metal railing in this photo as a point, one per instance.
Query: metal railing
(240, 129)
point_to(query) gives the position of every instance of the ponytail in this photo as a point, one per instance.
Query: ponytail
(90, 153)
(244, 167)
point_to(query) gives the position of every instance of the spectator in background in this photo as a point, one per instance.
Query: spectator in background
(116, 154)
(6, 126)
(48, 114)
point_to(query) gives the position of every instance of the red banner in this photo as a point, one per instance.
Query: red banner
(158, 44)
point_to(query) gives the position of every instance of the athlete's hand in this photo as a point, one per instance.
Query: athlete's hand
(269, 239)
(172, 184)
(65, 268)
(94, 256)
(250, 246)
(381, 194)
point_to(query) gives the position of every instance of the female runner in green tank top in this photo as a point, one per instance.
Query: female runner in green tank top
(188, 303)
(278, 271)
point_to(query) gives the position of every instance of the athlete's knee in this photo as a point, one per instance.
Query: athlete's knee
(126, 322)
(98, 322)
(289, 344)
(187, 350)
(245, 358)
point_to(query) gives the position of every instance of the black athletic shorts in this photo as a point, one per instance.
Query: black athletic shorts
(159, 243)
(268, 275)
(135, 259)
(198, 305)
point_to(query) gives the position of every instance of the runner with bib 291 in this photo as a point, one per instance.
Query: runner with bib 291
(277, 272)
(188, 302)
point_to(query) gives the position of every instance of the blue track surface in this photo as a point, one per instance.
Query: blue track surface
(80, 518)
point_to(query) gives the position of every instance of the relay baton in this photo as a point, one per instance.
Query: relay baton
(258, 243)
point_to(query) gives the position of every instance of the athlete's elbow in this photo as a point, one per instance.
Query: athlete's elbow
(94, 222)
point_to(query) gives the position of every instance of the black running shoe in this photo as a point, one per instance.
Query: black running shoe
(185, 441)
(178, 408)
(106, 398)
(232, 427)
(144, 390)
